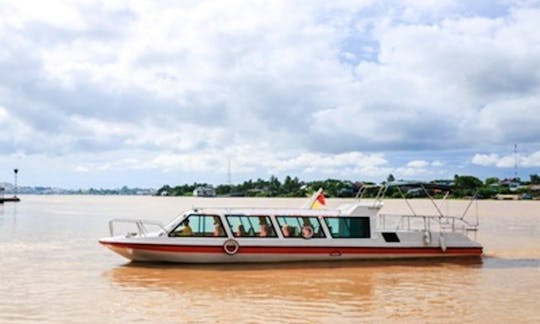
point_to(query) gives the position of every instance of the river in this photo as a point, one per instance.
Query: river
(53, 270)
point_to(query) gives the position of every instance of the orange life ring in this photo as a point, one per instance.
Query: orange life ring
(307, 232)
(231, 246)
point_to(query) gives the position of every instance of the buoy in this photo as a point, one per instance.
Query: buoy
(231, 247)
(307, 232)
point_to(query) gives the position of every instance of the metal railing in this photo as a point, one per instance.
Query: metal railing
(414, 221)
(141, 224)
(377, 201)
(427, 223)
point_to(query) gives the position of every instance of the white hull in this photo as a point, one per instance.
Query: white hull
(209, 258)
(165, 249)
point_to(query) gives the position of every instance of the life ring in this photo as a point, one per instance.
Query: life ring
(231, 247)
(307, 232)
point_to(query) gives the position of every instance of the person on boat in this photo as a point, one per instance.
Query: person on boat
(218, 229)
(186, 231)
(307, 228)
(286, 229)
(265, 229)
(241, 231)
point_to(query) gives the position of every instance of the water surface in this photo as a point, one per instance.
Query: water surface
(52, 269)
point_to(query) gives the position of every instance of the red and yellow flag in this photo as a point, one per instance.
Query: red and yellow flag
(319, 202)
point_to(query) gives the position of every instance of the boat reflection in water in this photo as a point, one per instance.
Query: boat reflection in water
(293, 292)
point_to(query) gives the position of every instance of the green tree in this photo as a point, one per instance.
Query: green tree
(163, 190)
(291, 187)
(466, 185)
(492, 180)
(223, 189)
(273, 186)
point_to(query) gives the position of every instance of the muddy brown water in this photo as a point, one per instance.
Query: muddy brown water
(53, 270)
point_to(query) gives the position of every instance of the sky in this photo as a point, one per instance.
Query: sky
(147, 93)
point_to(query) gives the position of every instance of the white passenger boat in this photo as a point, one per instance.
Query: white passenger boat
(350, 232)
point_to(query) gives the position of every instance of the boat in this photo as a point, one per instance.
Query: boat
(352, 231)
(7, 199)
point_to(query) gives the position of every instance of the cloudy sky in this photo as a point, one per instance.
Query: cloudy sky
(144, 93)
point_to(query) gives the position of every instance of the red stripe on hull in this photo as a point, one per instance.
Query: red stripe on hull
(298, 249)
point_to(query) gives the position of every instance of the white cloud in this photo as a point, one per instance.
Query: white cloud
(53, 12)
(418, 164)
(82, 169)
(252, 65)
(485, 159)
(507, 161)
(4, 115)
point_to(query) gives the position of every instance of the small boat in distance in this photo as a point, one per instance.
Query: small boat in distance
(7, 199)
(353, 231)
(2, 190)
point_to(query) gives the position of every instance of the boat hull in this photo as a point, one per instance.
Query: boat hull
(177, 253)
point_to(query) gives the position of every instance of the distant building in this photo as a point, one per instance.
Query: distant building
(207, 191)
(507, 197)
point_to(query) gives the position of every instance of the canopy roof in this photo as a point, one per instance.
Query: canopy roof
(419, 184)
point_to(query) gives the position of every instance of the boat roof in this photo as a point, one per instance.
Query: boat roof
(269, 211)
(419, 184)
(345, 209)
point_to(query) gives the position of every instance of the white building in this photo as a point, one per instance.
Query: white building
(204, 192)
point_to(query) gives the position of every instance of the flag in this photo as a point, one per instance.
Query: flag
(319, 201)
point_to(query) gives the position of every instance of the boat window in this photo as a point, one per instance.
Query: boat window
(348, 227)
(200, 225)
(251, 226)
(390, 237)
(300, 227)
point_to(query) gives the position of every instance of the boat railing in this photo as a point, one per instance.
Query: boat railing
(439, 223)
(141, 225)
(379, 195)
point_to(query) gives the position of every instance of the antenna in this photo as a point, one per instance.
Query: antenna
(229, 182)
(515, 162)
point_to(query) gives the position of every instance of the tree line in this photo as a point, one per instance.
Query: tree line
(460, 186)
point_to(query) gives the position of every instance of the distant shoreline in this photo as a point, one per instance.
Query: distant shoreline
(259, 198)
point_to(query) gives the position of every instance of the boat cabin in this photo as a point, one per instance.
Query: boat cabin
(275, 223)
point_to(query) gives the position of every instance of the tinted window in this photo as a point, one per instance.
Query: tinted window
(251, 226)
(390, 237)
(296, 226)
(348, 227)
(200, 225)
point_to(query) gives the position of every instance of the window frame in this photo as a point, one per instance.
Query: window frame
(201, 216)
(248, 222)
(364, 218)
(299, 220)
